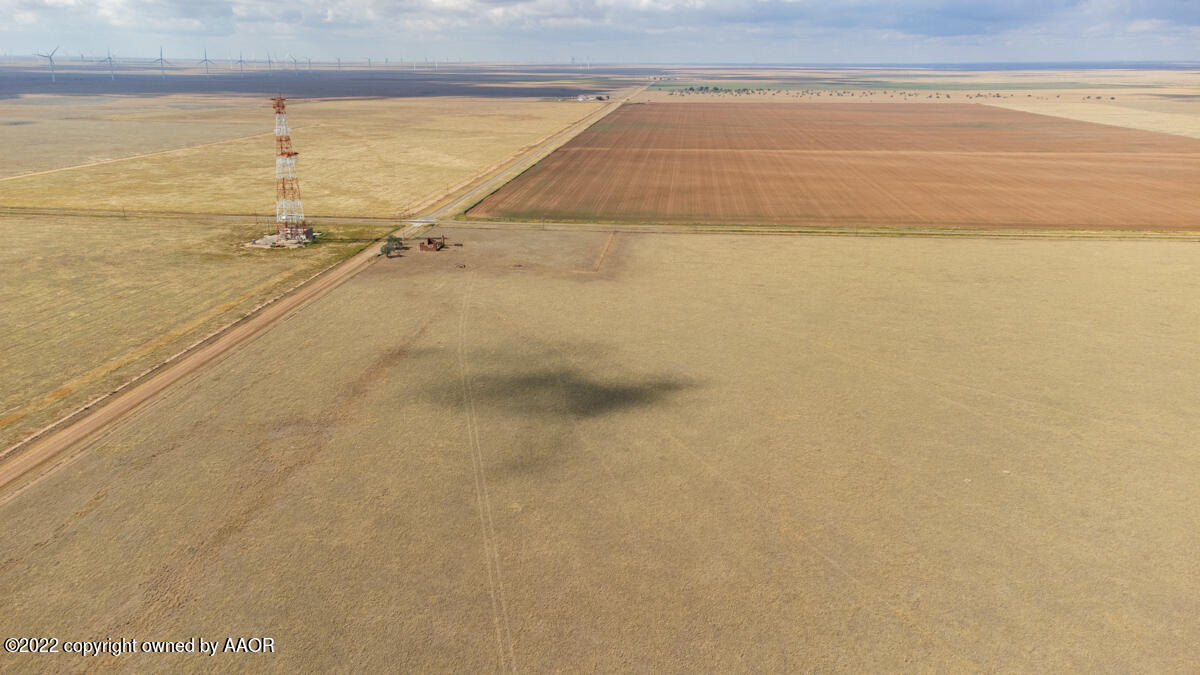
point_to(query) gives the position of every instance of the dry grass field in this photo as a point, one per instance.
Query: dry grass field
(1159, 112)
(358, 157)
(50, 132)
(880, 165)
(577, 450)
(88, 303)
(1162, 101)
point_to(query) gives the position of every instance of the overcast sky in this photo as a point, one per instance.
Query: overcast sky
(627, 31)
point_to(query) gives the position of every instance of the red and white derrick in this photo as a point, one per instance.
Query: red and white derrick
(289, 212)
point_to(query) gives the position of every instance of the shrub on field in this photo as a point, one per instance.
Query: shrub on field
(391, 244)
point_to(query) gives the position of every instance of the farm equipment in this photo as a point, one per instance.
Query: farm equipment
(433, 243)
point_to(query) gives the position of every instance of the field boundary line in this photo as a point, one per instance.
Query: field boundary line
(101, 162)
(525, 163)
(766, 230)
(604, 252)
(473, 183)
(608, 241)
(1157, 154)
(73, 212)
(1158, 115)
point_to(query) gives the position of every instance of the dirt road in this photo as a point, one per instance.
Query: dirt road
(922, 455)
(16, 462)
(55, 444)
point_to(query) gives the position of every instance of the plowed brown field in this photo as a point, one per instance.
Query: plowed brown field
(955, 165)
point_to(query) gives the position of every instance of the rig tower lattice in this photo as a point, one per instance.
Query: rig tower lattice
(289, 213)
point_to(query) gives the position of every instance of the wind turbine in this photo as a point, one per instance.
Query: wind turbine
(293, 63)
(339, 63)
(309, 64)
(49, 57)
(241, 65)
(268, 64)
(111, 74)
(206, 62)
(162, 64)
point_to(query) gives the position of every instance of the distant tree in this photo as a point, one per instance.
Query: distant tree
(392, 244)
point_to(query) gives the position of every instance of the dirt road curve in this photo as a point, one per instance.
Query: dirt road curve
(21, 460)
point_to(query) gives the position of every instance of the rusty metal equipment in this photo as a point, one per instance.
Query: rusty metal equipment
(433, 243)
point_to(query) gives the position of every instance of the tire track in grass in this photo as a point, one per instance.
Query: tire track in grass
(65, 433)
(870, 596)
(504, 642)
(145, 154)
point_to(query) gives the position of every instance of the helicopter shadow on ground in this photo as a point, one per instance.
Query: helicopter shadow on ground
(535, 413)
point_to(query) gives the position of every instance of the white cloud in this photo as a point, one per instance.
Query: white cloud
(794, 29)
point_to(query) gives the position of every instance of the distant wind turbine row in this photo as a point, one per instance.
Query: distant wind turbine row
(240, 63)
